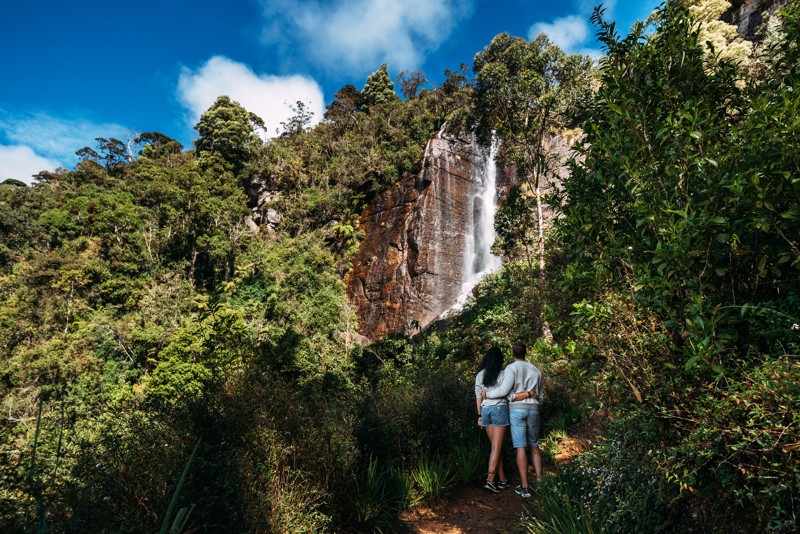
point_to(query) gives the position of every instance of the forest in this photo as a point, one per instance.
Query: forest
(167, 368)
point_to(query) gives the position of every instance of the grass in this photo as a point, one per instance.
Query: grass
(431, 478)
(468, 461)
(560, 508)
(381, 498)
(182, 516)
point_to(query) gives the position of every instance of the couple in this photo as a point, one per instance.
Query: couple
(510, 395)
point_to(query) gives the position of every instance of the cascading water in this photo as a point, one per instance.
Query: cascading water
(428, 239)
(478, 258)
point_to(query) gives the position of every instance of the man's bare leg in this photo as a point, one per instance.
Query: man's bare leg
(522, 466)
(536, 457)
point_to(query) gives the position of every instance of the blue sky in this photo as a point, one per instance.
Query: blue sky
(74, 71)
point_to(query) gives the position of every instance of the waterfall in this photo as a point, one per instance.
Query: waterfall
(478, 258)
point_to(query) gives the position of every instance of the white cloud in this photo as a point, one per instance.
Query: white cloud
(269, 97)
(356, 36)
(574, 33)
(21, 163)
(56, 138)
(565, 32)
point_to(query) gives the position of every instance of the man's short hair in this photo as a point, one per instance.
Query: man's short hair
(519, 350)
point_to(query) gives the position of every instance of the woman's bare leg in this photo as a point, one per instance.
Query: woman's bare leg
(495, 461)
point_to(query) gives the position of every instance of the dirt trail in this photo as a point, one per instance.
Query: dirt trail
(471, 509)
(474, 509)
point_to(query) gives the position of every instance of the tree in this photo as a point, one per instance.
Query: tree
(156, 144)
(650, 205)
(298, 122)
(112, 151)
(347, 101)
(525, 91)
(229, 131)
(379, 88)
(410, 81)
(456, 80)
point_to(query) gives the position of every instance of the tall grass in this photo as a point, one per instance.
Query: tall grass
(181, 518)
(432, 478)
(382, 495)
(560, 508)
(468, 460)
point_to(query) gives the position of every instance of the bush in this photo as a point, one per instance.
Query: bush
(380, 496)
(432, 477)
(561, 507)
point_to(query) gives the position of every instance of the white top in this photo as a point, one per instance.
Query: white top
(519, 376)
(479, 389)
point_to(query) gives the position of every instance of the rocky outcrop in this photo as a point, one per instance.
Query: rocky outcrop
(410, 268)
(748, 15)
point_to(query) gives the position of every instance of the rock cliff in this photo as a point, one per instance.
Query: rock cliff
(747, 15)
(415, 257)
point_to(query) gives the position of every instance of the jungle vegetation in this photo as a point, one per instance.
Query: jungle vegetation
(166, 368)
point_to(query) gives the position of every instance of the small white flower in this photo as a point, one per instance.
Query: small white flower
(796, 326)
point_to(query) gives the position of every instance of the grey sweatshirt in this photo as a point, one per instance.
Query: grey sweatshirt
(479, 389)
(518, 376)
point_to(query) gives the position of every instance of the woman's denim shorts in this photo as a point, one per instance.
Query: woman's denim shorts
(495, 415)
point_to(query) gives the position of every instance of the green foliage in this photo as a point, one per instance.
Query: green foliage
(514, 223)
(432, 478)
(649, 207)
(468, 458)
(228, 131)
(561, 508)
(382, 495)
(379, 88)
(749, 426)
(676, 224)
(182, 515)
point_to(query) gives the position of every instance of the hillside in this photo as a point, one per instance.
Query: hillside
(180, 351)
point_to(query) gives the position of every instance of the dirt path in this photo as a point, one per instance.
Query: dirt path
(473, 509)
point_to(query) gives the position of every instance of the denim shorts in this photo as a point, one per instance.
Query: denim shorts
(494, 415)
(524, 427)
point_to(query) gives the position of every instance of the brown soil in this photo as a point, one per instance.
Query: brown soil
(474, 509)
(471, 509)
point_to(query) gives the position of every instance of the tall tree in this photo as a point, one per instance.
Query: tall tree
(229, 131)
(525, 91)
(298, 122)
(410, 82)
(379, 88)
(652, 206)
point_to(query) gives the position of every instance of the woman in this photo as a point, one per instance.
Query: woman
(492, 415)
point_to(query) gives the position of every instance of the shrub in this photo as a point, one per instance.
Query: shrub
(561, 507)
(432, 478)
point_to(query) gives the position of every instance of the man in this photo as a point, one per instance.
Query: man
(522, 385)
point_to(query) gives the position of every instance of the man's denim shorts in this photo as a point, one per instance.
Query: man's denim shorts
(494, 415)
(524, 427)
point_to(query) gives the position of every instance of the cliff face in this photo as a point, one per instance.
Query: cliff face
(747, 15)
(420, 237)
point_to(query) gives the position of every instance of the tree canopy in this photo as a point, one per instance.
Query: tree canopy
(379, 88)
(228, 131)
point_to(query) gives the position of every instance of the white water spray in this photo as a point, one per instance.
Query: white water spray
(478, 258)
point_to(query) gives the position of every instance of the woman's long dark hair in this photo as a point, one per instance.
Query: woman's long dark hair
(491, 365)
